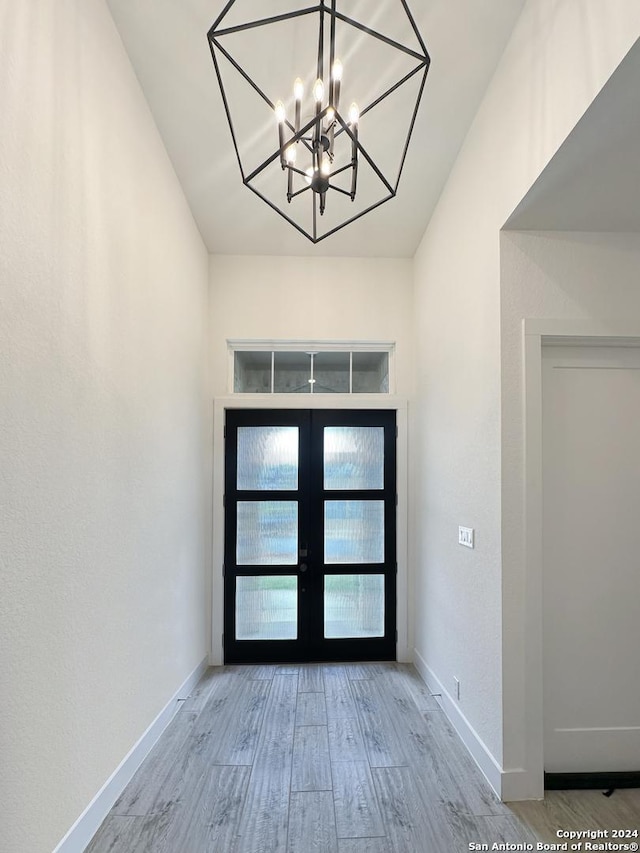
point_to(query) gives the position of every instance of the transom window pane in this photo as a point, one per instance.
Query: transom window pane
(266, 608)
(268, 458)
(353, 606)
(370, 373)
(291, 373)
(267, 533)
(353, 532)
(331, 372)
(252, 372)
(354, 457)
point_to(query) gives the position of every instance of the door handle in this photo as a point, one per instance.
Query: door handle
(303, 567)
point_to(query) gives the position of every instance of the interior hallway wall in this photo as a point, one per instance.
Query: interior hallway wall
(105, 418)
(469, 604)
(324, 299)
(576, 276)
(301, 298)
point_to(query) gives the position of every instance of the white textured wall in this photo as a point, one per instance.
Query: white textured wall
(558, 275)
(300, 298)
(104, 427)
(311, 299)
(462, 597)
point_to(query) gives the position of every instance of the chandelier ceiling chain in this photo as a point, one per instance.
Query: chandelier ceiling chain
(307, 150)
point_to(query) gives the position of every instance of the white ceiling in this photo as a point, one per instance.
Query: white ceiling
(166, 41)
(593, 181)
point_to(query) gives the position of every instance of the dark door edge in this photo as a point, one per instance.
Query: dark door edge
(583, 781)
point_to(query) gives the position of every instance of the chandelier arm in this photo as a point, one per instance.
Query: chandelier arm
(380, 36)
(374, 167)
(393, 88)
(222, 14)
(411, 126)
(339, 189)
(353, 218)
(386, 94)
(296, 171)
(416, 30)
(320, 69)
(315, 218)
(282, 213)
(264, 165)
(262, 22)
(354, 174)
(332, 52)
(321, 42)
(281, 150)
(341, 169)
(243, 73)
(307, 141)
(226, 106)
(303, 190)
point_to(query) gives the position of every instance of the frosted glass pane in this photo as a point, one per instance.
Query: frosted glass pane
(353, 606)
(267, 533)
(268, 458)
(353, 457)
(267, 608)
(353, 532)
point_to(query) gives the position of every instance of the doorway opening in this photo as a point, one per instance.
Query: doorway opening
(310, 535)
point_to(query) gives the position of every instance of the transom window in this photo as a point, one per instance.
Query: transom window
(310, 368)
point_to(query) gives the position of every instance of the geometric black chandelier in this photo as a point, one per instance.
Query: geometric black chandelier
(321, 106)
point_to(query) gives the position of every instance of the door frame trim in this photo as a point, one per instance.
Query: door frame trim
(311, 401)
(527, 782)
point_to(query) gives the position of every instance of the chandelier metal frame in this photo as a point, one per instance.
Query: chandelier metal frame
(328, 124)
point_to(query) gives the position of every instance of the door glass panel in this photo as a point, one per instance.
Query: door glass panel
(353, 532)
(353, 606)
(266, 608)
(268, 458)
(354, 457)
(267, 533)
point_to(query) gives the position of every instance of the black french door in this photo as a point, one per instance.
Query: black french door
(310, 535)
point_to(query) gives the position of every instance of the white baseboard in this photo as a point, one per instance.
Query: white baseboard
(83, 830)
(522, 784)
(488, 765)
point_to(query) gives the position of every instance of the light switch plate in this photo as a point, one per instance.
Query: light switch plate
(466, 536)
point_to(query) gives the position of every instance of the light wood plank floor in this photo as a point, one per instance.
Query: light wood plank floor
(354, 758)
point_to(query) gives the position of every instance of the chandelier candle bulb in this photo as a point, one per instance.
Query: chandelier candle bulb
(318, 92)
(291, 154)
